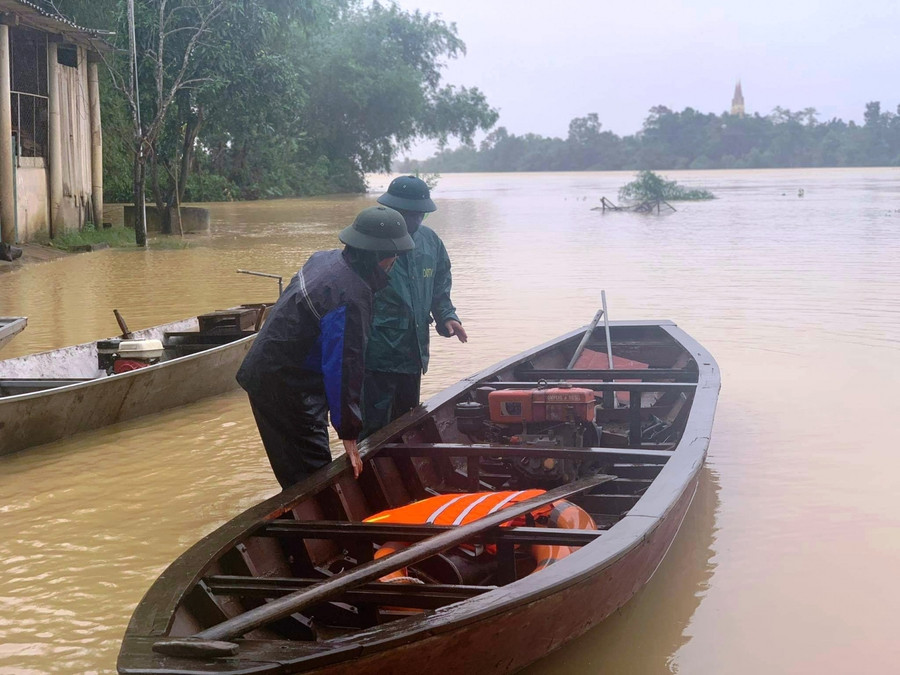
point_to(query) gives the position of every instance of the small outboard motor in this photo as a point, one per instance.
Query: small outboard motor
(119, 356)
(106, 354)
(134, 354)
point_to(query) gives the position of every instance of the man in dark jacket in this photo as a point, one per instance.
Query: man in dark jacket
(417, 294)
(309, 356)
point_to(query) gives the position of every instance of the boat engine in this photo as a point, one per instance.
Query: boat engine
(106, 354)
(558, 417)
(121, 356)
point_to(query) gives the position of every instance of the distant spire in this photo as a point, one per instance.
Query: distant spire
(737, 103)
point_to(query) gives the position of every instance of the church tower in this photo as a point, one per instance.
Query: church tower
(737, 103)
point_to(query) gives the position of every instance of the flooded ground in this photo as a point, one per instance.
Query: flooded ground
(786, 561)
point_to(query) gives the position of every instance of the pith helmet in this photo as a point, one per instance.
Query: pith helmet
(409, 194)
(378, 228)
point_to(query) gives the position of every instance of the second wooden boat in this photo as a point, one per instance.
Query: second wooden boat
(54, 394)
(504, 517)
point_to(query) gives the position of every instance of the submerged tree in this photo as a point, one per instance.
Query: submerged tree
(650, 187)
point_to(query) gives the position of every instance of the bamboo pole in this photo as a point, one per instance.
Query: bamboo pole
(55, 134)
(8, 234)
(96, 140)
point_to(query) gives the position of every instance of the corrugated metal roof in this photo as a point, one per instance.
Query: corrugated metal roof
(44, 17)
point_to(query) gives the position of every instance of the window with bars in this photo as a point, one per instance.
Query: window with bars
(29, 102)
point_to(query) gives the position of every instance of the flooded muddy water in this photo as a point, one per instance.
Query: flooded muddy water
(787, 558)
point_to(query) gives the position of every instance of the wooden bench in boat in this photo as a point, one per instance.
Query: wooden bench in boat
(537, 374)
(416, 596)
(379, 533)
(625, 455)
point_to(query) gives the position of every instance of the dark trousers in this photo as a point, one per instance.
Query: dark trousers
(295, 437)
(386, 396)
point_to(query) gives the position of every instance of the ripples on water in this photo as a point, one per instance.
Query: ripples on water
(785, 560)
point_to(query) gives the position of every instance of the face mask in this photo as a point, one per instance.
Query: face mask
(387, 263)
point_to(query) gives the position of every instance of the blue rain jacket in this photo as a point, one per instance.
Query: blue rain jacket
(314, 341)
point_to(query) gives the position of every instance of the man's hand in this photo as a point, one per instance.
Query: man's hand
(454, 327)
(353, 452)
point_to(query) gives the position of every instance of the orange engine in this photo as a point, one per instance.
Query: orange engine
(561, 404)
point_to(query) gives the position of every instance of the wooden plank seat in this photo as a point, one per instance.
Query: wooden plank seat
(608, 504)
(14, 386)
(417, 596)
(601, 385)
(536, 374)
(626, 486)
(380, 533)
(437, 450)
(648, 471)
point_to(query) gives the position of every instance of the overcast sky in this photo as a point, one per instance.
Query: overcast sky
(543, 63)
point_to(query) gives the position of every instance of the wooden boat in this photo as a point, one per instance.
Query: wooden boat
(54, 394)
(10, 326)
(297, 584)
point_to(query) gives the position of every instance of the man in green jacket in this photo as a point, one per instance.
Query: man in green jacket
(417, 294)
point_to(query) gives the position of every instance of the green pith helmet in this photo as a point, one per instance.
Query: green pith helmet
(378, 228)
(408, 193)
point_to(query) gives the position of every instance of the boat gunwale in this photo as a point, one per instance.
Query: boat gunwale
(155, 613)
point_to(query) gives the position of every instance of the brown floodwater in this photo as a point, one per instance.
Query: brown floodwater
(787, 560)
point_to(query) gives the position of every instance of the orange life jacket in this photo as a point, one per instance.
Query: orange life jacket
(566, 515)
(459, 509)
(454, 509)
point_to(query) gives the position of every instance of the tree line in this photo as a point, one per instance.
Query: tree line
(687, 140)
(250, 99)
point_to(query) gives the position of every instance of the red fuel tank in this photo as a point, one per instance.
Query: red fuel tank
(126, 365)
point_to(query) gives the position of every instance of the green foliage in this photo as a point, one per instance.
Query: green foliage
(430, 179)
(688, 140)
(209, 187)
(649, 186)
(286, 99)
(374, 87)
(114, 236)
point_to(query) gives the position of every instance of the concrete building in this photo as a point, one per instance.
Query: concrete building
(51, 148)
(737, 101)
